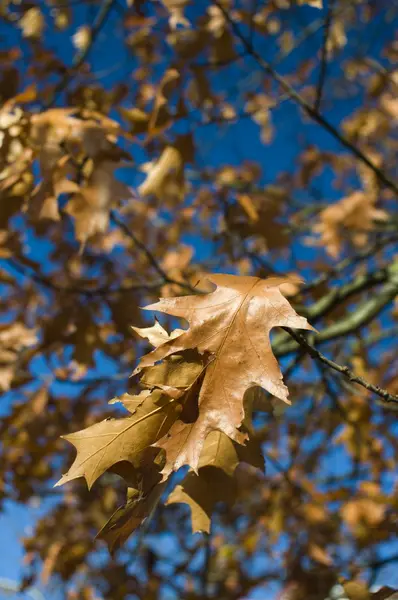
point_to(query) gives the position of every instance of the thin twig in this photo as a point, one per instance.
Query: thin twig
(307, 108)
(206, 564)
(381, 336)
(252, 21)
(296, 362)
(306, 33)
(130, 233)
(363, 315)
(263, 263)
(105, 290)
(381, 562)
(350, 261)
(345, 371)
(9, 586)
(81, 56)
(49, 283)
(388, 74)
(284, 472)
(151, 259)
(324, 57)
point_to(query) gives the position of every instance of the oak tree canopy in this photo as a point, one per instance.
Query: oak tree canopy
(199, 279)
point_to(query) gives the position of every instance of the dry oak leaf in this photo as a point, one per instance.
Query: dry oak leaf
(215, 481)
(232, 323)
(355, 212)
(385, 593)
(156, 334)
(131, 403)
(178, 373)
(90, 206)
(32, 23)
(126, 519)
(104, 444)
(110, 442)
(313, 3)
(169, 162)
(143, 494)
(176, 11)
(82, 38)
(13, 339)
(160, 117)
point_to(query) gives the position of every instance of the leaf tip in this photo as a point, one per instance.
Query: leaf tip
(60, 482)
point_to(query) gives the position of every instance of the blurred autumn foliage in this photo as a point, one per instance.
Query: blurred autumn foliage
(237, 159)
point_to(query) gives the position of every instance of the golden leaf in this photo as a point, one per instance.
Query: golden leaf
(232, 324)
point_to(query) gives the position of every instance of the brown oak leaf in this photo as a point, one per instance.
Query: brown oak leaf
(156, 334)
(215, 481)
(104, 444)
(126, 519)
(143, 493)
(174, 385)
(355, 213)
(232, 323)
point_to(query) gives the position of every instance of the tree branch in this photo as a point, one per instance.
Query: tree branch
(324, 57)
(343, 370)
(106, 290)
(338, 294)
(48, 283)
(81, 56)
(206, 564)
(151, 259)
(350, 261)
(363, 314)
(307, 108)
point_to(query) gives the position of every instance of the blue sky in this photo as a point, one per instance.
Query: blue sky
(228, 145)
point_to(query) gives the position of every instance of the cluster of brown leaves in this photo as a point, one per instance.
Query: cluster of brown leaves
(351, 217)
(192, 410)
(230, 178)
(76, 155)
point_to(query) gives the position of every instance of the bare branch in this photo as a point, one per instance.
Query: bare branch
(324, 57)
(364, 313)
(345, 371)
(308, 109)
(350, 261)
(151, 259)
(50, 284)
(81, 56)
